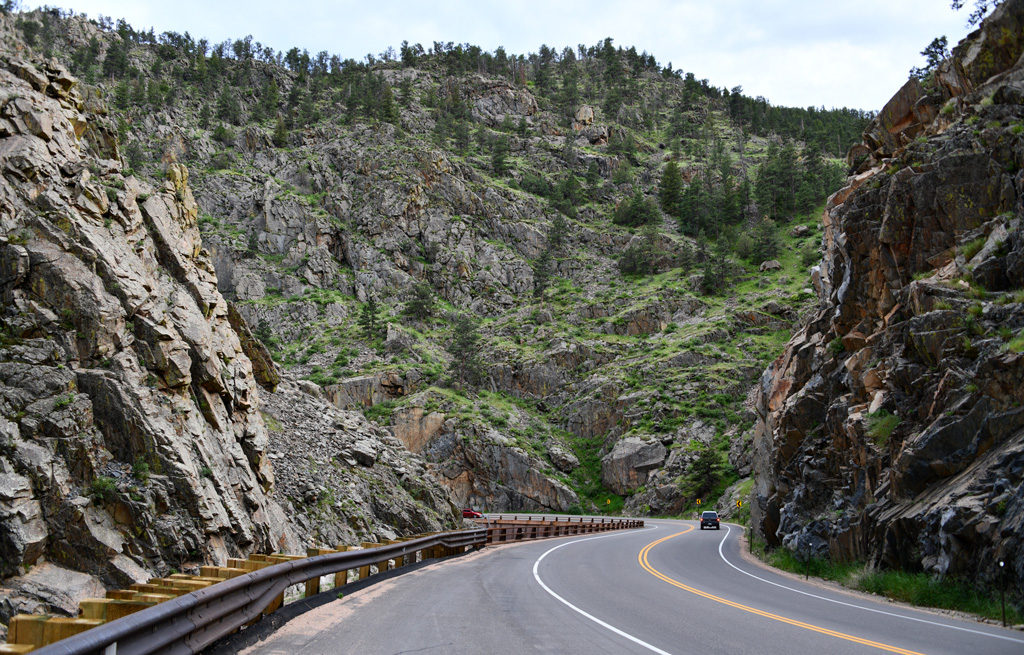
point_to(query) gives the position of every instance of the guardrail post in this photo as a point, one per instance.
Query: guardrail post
(27, 629)
(341, 577)
(364, 571)
(61, 627)
(399, 559)
(313, 584)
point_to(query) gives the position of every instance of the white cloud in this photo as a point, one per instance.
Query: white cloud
(794, 52)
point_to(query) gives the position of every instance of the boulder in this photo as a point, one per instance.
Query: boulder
(584, 116)
(630, 461)
(564, 461)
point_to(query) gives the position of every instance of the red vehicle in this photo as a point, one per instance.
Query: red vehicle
(470, 513)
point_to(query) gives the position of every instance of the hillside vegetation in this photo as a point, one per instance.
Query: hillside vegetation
(555, 275)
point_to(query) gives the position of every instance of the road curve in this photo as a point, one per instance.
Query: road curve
(668, 588)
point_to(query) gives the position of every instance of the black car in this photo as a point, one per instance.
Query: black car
(710, 519)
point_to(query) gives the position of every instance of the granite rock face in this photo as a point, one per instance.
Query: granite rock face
(132, 439)
(131, 435)
(891, 428)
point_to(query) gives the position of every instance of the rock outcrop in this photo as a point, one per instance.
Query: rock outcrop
(892, 427)
(131, 435)
(129, 414)
(481, 466)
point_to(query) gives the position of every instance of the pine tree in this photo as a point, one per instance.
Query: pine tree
(421, 301)
(635, 211)
(462, 137)
(269, 99)
(766, 241)
(542, 272)
(465, 349)
(499, 154)
(280, 132)
(593, 175)
(369, 319)
(671, 189)
(556, 235)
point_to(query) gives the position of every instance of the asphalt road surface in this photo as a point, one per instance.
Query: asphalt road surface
(668, 588)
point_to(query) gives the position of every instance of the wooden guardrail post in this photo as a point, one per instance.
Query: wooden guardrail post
(313, 584)
(364, 571)
(341, 577)
(60, 627)
(27, 629)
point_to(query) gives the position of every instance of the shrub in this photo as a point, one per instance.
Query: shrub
(140, 469)
(880, 426)
(971, 248)
(635, 211)
(224, 135)
(102, 489)
(64, 401)
(221, 160)
(810, 256)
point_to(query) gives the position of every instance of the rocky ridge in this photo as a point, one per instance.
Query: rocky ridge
(891, 430)
(131, 434)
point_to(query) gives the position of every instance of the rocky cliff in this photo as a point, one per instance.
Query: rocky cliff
(892, 429)
(132, 431)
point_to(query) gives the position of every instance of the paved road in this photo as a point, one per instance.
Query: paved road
(669, 588)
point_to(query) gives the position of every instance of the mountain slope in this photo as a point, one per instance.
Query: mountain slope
(891, 428)
(325, 186)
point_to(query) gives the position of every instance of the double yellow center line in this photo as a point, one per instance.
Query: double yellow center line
(642, 558)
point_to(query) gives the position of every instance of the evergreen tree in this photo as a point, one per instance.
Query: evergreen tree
(934, 54)
(280, 132)
(499, 154)
(593, 176)
(388, 108)
(671, 189)
(766, 241)
(556, 235)
(465, 349)
(462, 137)
(369, 319)
(643, 255)
(421, 301)
(228, 108)
(269, 98)
(542, 272)
(635, 211)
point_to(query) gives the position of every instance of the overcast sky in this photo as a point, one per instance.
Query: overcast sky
(793, 52)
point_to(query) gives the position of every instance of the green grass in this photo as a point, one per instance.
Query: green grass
(381, 412)
(923, 589)
(971, 248)
(919, 589)
(880, 426)
(785, 559)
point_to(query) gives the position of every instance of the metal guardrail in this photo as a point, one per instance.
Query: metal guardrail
(502, 529)
(189, 623)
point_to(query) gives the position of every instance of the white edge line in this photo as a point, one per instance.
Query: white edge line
(536, 576)
(861, 607)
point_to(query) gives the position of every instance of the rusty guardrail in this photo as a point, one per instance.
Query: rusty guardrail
(195, 619)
